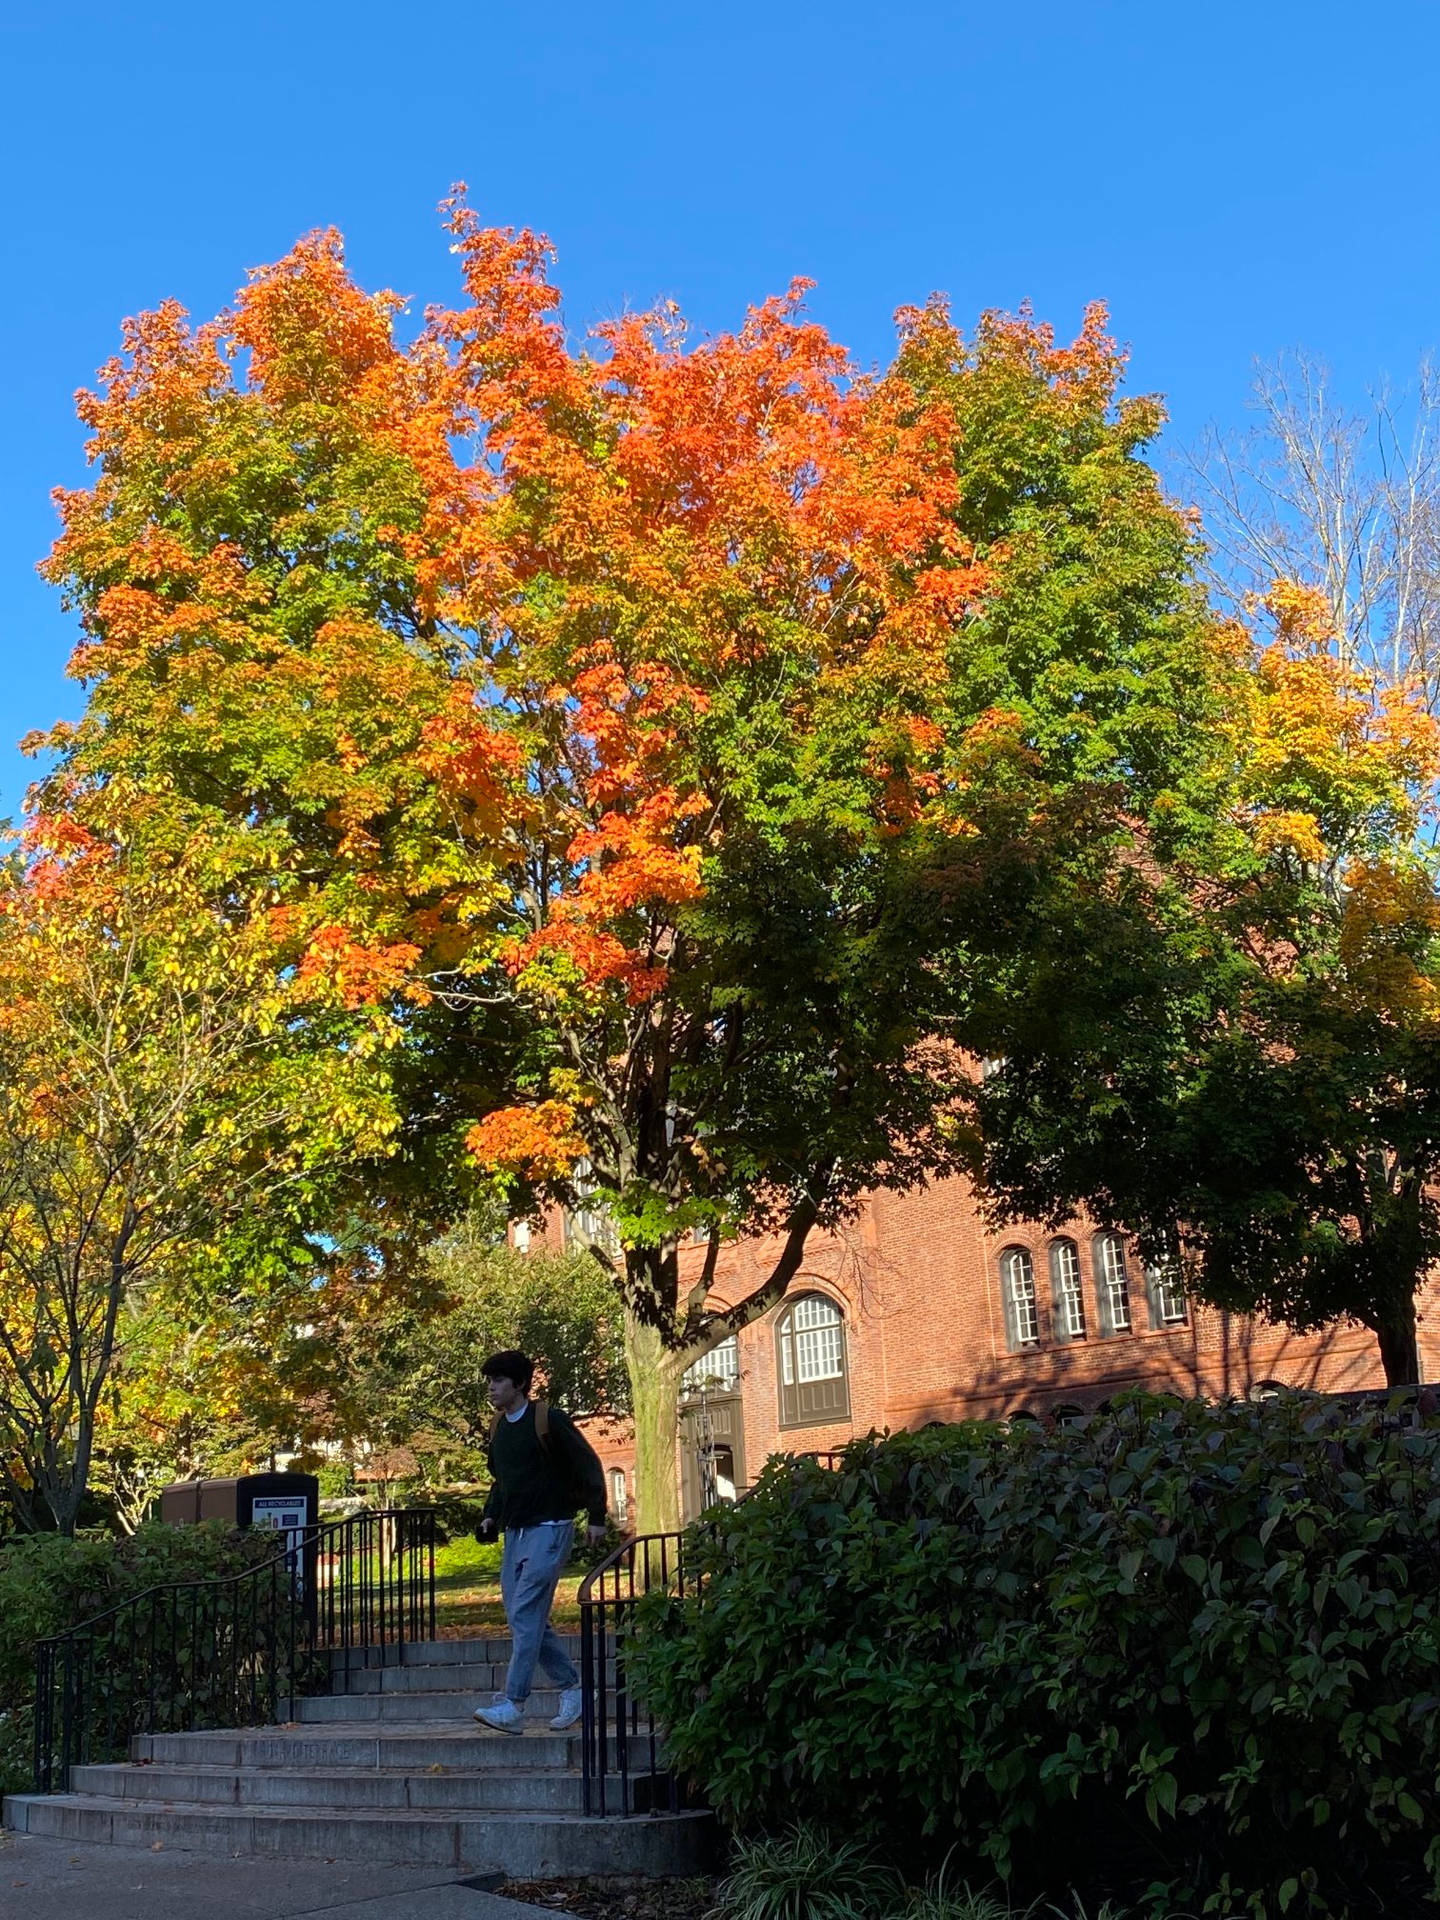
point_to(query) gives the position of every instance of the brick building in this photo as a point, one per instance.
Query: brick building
(918, 1312)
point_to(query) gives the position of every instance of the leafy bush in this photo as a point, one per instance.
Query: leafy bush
(1181, 1651)
(49, 1583)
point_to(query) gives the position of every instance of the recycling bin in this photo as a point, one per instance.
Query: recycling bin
(287, 1503)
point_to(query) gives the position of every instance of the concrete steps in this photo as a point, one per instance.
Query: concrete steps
(521, 1845)
(397, 1772)
(484, 1789)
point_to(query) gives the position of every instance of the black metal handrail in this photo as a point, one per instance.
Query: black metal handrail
(621, 1767)
(234, 1650)
(622, 1760)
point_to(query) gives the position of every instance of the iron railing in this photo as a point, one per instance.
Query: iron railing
(623, 1763)
(233, 1651)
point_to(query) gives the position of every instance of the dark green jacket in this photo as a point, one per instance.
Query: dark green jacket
(534, 1479)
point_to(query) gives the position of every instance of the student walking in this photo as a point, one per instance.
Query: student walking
(542, 1469)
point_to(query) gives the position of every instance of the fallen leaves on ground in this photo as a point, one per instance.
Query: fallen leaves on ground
(622, 1899)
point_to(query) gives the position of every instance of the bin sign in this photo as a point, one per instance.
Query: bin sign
(287, 1513)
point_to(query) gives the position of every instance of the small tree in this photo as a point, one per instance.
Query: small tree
(153, 1097)
(410, 1371)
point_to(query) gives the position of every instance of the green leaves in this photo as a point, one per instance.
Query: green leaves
(1039, 1665)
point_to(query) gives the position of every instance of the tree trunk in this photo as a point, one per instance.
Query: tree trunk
(1399, 1345)
(655, 1398)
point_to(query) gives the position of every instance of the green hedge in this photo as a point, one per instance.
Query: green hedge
(48, 1583)
(1183, 1652)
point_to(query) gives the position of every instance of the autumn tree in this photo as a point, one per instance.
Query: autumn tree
(1228, 1039)
(1344, 497)
(686, 708)
(156, 1102)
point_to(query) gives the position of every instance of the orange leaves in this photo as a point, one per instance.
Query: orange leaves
(310, 331)
(518, 637)
(539, 1142)
(473, 762)
(355, 974)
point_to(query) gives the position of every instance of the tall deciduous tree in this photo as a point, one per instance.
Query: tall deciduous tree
(683, 705)
(1230, 1039)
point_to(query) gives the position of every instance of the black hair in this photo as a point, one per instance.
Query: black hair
(510, 1364)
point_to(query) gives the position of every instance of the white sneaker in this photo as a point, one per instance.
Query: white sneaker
(572, 1706)
(503, 1715)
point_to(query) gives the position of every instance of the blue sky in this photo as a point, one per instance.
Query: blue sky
(1234, 179)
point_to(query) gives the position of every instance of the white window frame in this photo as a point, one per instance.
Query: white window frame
(814, 1346)
(1165, 1285)
(1112, 1284)
(1022, 1307)
(1068, 1287)
(811, 1353)
(717, 1371)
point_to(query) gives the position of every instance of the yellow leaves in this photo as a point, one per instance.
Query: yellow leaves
(1301, 614)
(1325, 762)
(1391, 912)
(1290, 832)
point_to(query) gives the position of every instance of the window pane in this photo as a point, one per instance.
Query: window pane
(1167, 1295)
(1021, 1311)
(1069, 1295)
(717, 1371)
(1114, 1285)
(817, 1353)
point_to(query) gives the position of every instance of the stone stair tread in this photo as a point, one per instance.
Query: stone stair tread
(400, 1771)
(147, 1779)
(335, 1743)
(414, 1816)
(422, 1653)
(520, 1843)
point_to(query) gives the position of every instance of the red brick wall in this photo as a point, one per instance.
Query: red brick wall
(917, 1277)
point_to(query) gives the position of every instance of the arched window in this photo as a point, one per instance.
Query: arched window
(810, 1362)
(1066, 1290)
(717, 1371)
(1112, 1284)
(1022, 1311)
(1165, 1289)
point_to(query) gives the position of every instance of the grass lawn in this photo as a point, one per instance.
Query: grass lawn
(467, 1592)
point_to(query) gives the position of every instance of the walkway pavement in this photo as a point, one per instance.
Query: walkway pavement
(44, 1879)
